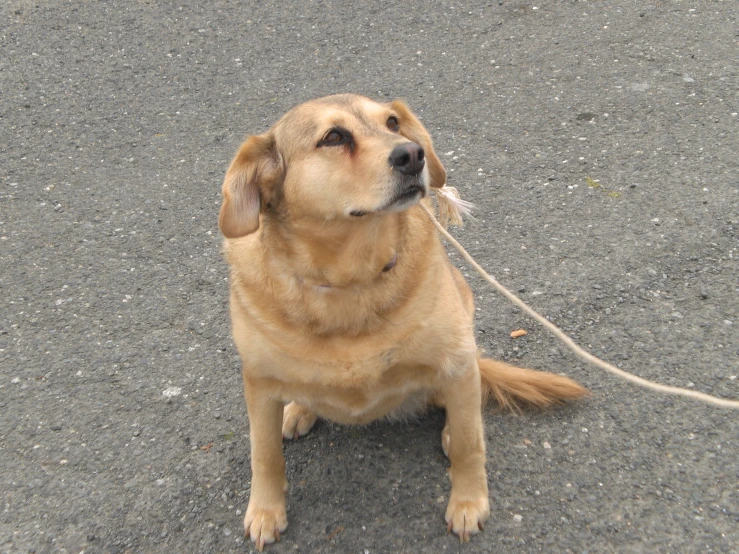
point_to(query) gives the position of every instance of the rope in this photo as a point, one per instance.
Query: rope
(556, 331)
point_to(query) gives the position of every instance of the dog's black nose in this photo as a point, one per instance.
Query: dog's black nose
(407, 158)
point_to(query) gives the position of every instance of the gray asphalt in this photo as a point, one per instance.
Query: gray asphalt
(599, 142)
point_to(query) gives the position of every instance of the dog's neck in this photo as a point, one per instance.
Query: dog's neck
(336, 254)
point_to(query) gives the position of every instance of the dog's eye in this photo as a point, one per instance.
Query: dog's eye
(392, 123)
(333, 136)
(336, 137)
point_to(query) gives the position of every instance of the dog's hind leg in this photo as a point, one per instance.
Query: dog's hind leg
(438, 402)
(297, 420)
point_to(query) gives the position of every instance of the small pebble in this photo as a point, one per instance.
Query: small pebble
(518, 518)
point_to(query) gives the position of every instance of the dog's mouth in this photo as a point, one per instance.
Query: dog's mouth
(407, 196)
(405, 199)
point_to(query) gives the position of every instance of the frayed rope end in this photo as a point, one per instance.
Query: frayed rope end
(452, 207)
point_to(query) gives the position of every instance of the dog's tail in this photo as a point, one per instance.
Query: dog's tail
(511, 386)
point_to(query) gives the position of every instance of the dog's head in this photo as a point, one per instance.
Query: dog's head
(342, 156)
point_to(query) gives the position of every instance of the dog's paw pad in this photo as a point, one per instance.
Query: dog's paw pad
(297, 421)
(466, 517)
(264, 526)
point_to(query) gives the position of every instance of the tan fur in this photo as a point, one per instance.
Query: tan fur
(344, 304)
(510, 385)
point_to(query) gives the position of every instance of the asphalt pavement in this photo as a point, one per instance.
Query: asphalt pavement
(598, 140)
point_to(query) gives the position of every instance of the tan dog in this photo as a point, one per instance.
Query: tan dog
(344, 304)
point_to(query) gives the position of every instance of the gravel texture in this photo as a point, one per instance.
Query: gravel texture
(599, 142)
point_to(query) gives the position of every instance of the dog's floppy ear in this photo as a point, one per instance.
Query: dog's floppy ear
(249, 185)
(412, 129)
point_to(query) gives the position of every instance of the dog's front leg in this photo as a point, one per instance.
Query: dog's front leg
(468, 504)
(265, 517)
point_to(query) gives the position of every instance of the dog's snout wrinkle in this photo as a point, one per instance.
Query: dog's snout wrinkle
(407, 158)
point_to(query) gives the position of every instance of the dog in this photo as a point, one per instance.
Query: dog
(344, 304)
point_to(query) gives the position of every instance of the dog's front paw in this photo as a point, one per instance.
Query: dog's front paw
(297, 420)
(264, 525)
(466, 517)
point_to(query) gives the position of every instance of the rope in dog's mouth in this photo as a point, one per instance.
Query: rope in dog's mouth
(450, 209)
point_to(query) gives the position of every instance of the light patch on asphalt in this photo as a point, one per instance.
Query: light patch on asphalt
(169, 392)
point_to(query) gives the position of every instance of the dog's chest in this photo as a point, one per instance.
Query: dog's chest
(352, 369)
(358, 397)
(354, 386)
